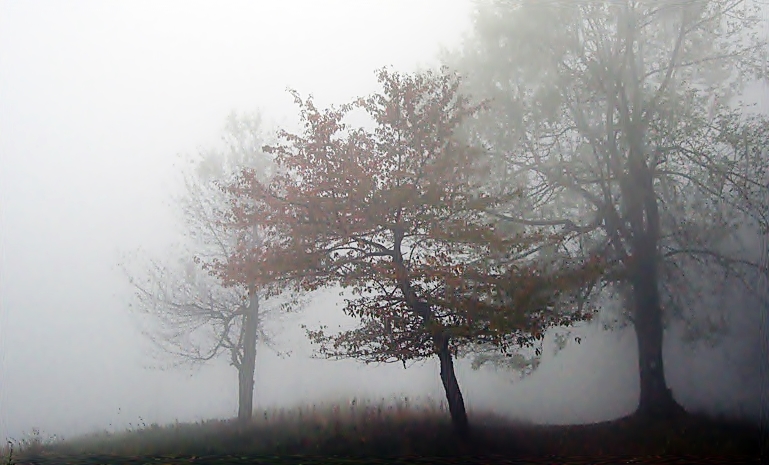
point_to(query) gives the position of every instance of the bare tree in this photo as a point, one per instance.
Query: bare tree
(198, 317)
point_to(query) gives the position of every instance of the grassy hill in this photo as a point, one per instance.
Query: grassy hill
(365, 432)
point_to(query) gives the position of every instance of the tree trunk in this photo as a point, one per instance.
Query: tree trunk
(655, 400)
(451, 387)
(440, 339)
(247, 366)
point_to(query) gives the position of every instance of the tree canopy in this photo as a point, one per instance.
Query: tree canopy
(618, 122)
(398, 216)
(196, 316)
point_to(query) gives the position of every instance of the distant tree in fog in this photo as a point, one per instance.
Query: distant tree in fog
(615, 116)
(193, 316)
(394, 215)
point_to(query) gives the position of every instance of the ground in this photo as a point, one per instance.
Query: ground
(381, 433)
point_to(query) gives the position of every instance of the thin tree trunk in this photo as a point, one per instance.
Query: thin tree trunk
(448, 376)
(441, 340)
(451, 387)
(247, 366)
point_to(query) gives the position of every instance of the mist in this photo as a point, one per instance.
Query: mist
(97, 102)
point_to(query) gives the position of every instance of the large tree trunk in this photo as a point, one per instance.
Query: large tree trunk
(640, 202)
(451, 387)
(247, 365)
(655, 400)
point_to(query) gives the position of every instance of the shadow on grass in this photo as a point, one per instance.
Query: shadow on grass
(361, 432)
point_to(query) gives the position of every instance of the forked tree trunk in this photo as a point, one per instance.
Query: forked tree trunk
(451, 387)
(655, 399)
(247, 365)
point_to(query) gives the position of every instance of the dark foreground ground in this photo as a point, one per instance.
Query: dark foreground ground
(400, 434)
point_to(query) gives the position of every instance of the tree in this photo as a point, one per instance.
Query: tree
(199, 317)
(618, 122)
(393, 215)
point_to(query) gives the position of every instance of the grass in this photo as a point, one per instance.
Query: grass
(401, 431)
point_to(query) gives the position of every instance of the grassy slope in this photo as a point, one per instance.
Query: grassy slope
(401, 431)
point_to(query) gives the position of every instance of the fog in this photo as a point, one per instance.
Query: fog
(98, 99)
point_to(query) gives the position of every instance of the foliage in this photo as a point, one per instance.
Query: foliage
(622, 94)
(396, 216)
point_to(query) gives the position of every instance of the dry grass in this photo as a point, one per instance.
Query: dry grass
(395, 429)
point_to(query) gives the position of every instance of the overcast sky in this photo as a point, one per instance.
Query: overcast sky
(97, 99)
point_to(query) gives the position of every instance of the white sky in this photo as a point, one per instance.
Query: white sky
(96, 100)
